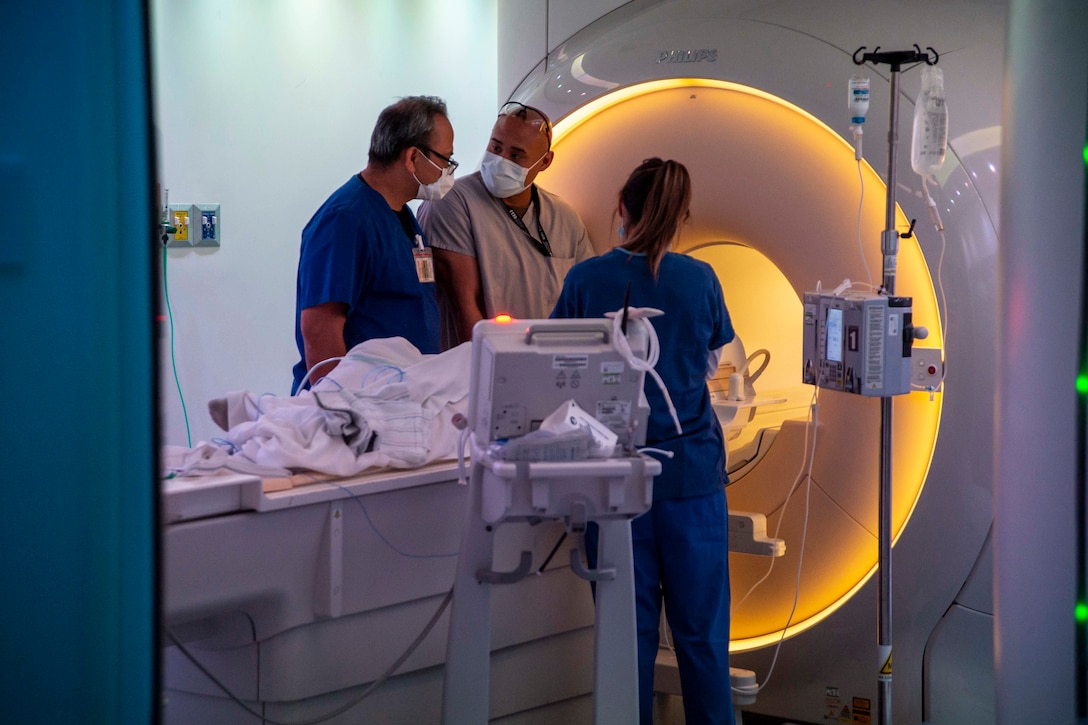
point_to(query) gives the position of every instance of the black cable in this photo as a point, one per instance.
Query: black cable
(549, 557)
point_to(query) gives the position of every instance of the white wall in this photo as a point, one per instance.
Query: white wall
(265, 107)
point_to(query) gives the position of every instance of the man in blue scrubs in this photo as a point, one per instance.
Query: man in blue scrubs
(365, 268)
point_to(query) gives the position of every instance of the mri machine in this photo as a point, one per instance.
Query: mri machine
(752, 98)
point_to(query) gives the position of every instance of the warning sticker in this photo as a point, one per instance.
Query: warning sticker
(570, 360)
(834, 708)
(612, 372)
(616, 414)
(862, 711)
(810, 314)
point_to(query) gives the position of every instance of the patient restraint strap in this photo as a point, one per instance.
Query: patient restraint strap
(541, 244)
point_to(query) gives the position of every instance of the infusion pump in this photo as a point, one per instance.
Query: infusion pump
(858, 343)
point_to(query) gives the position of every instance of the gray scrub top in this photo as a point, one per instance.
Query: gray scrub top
(516, 278)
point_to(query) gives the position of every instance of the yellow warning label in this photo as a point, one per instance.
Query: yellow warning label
(862, 713)
(887, 668)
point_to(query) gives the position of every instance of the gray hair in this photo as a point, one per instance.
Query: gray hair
(407, 123)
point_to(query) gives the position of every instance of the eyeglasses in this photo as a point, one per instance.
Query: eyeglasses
(448, 159)
(528, 114)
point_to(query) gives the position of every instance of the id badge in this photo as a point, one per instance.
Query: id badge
(424, 264)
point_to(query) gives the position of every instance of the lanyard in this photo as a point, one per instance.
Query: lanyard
(405, 217)
(541, 244)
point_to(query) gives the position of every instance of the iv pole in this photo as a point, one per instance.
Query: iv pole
(889, 247)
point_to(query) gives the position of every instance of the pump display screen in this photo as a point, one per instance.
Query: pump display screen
(834, 335)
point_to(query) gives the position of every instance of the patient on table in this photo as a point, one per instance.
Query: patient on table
(384, 405)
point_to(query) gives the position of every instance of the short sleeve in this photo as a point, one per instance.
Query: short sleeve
(583, 248)
(722, 332)
(447, 224)
(331, 263)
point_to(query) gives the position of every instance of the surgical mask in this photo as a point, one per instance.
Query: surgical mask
(502, 177)
(437, 188)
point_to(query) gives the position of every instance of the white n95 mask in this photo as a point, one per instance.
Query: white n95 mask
(502, 177)
(437, 188)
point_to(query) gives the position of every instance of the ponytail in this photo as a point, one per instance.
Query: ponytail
(657, 196)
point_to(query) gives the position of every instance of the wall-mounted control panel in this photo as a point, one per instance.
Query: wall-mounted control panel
(195, 225)
(208, 229)
(179, 218)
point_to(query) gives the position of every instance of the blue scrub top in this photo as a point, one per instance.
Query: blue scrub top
(356, 251)
(695, 322)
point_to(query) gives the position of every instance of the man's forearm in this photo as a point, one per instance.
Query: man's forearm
(323, 337)
(459, 278)
(468, 315)
(317, 352)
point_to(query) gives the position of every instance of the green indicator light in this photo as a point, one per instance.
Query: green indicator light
(1082, 384)
(1082, 612)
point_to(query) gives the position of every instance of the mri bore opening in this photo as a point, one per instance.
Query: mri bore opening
(786, 188)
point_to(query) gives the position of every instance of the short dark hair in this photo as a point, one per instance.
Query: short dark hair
(407, 123)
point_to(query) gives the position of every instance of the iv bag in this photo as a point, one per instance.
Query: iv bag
(858, 98)
(930, 141)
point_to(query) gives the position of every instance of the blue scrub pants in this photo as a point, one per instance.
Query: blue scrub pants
(681, 557)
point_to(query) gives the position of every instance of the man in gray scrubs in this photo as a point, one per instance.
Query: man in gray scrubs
(500, 243)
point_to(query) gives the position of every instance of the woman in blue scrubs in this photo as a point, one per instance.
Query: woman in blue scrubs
(680, 545)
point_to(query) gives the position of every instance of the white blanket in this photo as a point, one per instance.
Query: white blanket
(385, 404)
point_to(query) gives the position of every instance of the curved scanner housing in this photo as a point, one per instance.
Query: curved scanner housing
(776, 193)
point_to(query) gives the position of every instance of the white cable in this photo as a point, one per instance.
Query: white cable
(942, 304)
(931, 206)
(797, 478)
(940, 287)
(619, 342)
(807, 478)
(861, 249)
(306, 378)
(935, 217)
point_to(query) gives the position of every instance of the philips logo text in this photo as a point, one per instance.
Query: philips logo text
(688, 56)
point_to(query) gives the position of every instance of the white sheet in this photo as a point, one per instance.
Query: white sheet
(386, 404)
